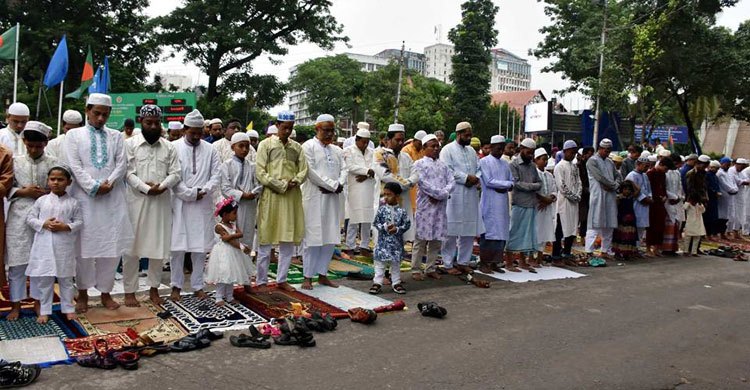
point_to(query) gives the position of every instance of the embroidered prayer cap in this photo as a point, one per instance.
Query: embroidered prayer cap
(19, 109)
(253, 134)
(215, 121)
(285, 116)
(605, 143)
(272, 130)
(645, 153)
(38, 127)
(652, 158)
(665, 153)
(174, 125)
(363, 125)
(691, 156)
(725, 160)
(497, 139)
(150, 110)
(429, 137)
(714, 164)
(742, 161)
(99, 99)
(340, 140)
(396, 128)
(528, 143)
(419, 135)
(363, 133)
(570, 144)
(63, 166)
(324, 118)
(704, 159)
(72, 116)
(239, 137)
(194, 119)
(461, 126)
(540, 152)
(642, 159)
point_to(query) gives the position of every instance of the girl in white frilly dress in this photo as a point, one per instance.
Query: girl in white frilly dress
(230, 262)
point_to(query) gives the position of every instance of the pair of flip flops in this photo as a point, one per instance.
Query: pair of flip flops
(199, 340)
(431, 309)
(294, 331)
(107, 359)
(255, 340)
(363, 316)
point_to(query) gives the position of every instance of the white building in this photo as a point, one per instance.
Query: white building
(182, 82)
(439, 61)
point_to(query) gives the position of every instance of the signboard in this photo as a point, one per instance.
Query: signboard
(537, 117)
(174, 106)
(679, 134)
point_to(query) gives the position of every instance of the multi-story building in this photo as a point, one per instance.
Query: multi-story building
(412, 60)
(439, 61)
(179, 81)
(509, 72)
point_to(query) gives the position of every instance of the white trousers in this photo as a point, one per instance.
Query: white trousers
(17, 282)
(96, 272)
(315, 260)
(464, 244)
(605, 234)
(380, 272)
(178, 270)
(431, 248)
(351, 235)
(130, 273)
(264, 260)
(224, 292)
(43, 289)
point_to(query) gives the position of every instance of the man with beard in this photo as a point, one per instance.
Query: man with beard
(361, 193)
(568, 198)
(526, 184)
(224, 145)
(583, 206)
(729, 190)
(496, 181)
(602, 213)
(153, 169)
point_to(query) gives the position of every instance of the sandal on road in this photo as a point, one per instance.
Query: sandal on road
(246, 341)
(190, 343)
(375, 289)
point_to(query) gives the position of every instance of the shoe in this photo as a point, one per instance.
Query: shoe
(246, 341)
(364, 316)
(16, 374)
(208, 335)
(431, 309)
(190, 343)
(256, 334)
(127, 359)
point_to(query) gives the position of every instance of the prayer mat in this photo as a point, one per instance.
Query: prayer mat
(119, 289)
(85, 345)
(27, 327)
(345, 298)
(340, 266)
(278, 303)
(6, 304)
(295, 275)
(100, 321)
(368, 261)
(544, 273)
(45, 351)
(196, 314)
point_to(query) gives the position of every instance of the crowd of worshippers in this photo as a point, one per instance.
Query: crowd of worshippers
(92, 197)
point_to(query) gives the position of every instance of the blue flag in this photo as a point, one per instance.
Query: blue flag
(104, 81)
(94, 87)
(58, 66)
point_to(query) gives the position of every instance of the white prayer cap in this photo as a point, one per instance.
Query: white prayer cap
(645, 153)
(396, 127)
(642, 159)
(461, 126)
(272, 130)
(540, 152)
(174, 125)
(253, 134)
(285, 116)
(550, 165)
(419, 135)
(569, 144)
(19, 109)
(205, 123)
(324, 118)
(605, 143)
(612, 155)
(99, 99)
(340, 140)
(652, 158)
(497, 139)
(691, 156)
(38, 127)
(664, 153)
(714, 164)
(239, 137)
(72, 116)
(363, 125)
(580, 151)
(215, 121)
(363, 133)
(194, 119)
(528, 143)
(742, 161)
(704, 159)
(429, 137)
(292, 135)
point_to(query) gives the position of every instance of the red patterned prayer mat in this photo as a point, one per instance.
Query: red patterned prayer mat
(278, 303)
(85, 345)
(5, 304)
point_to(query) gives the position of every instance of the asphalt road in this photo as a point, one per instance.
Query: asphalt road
(660, 324)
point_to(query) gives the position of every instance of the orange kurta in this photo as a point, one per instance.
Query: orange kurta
(6, 183)
(415, 156)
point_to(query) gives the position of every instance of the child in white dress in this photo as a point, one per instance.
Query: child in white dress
(56, 218)
(230, 261)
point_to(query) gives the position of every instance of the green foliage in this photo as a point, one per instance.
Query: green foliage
(473, 38)
(333, 85)
(495, 117)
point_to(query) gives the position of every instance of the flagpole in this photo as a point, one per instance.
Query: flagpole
(59, 107)
(15, 73)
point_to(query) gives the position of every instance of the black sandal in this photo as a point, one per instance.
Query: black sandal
(376, 289)
(431, 309)
(189, 343)
(207, 334)
(245, 341)
(127, 359)
(399, 289)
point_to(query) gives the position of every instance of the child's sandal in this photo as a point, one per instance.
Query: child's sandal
(376, 289)
(399, 289)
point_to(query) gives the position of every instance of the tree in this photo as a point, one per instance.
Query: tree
(473, 38)
(226, 36)
(332, 85)
(739, 103)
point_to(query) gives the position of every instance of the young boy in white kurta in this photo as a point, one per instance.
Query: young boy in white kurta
(56, 218)
(30, 182)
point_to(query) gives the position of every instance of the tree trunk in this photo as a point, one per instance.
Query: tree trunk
(213, 76)
(694, 142)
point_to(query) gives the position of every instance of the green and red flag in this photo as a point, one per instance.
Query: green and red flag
(8, 44)
(87, 77)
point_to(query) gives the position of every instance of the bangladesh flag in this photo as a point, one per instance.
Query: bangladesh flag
(8, 44)
(87, 77)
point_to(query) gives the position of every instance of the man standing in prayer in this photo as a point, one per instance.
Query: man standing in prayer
(254, 138)
(712, 193)
(281, 167)
(642, 202)
(71, 120)
(602, 213)
(6, 182)
(174, 131)
(657, 213)
(628, 164)
(96, 155)
(361, 193)
(16, 117)
(414, 150)
(192, 205)
(526, 184)
(689, 164)
(737, 218)
(729, 191)
(496, 181)
(321, 201)
(153, 169)
(435, 186)
(568, 197)
(584, 154)
(464, 218)
(224, 145)
(128, 129)
(674, 206)
(215, 130)
(546, 215)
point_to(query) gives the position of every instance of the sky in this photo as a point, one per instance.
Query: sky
(375, 25)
